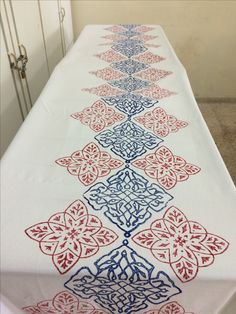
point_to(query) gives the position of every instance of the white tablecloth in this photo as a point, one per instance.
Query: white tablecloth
(115, 198)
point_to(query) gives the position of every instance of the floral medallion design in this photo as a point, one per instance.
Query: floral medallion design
(89, 164)
(103, 90)
(124, 282)
(129, 47)
(169, 308)
(165, 167)
(153, 74)
(127, 199)
(149, 58)
(144, 37)
(115, 29)
(130, 103)
(155, 92)
(63, 303)
(160, 122)
(108, 74)
(110, 56)
(114, 37)
(71, 235)
(184, 244)
(128, 140)
(98, 116)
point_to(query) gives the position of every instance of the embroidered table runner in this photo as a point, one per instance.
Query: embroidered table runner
(115, 198)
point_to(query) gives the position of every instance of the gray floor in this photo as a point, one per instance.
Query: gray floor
(221, 121)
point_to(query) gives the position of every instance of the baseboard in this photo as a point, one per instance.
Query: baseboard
(216, 100)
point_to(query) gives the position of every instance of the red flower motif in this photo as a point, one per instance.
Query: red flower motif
(148, 57)
(110, 56)
(108, 74)
(145, 37)
(115, 29)
(160, 122)
(89, 163)
(103, 90)
(71, 235)
(98, 116)
(184, 244)
(155, 92)
(152, 74)
(166, 168)
(144, 29)
(169, 308)
(63, 303)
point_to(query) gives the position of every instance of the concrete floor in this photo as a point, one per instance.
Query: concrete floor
(221, 121)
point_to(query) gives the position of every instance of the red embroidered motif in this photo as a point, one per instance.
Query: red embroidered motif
(114, 37)
(115, 29)
(165, 167)
(98, 116)
(169, 308)
(63, 303)
(110, 56)
(103, 90)
(155, 92)
(108, 74)
(71, 235)
(160, 122)
(148, 57)
(144, 29)
(89, 164)
(184, 244)
(145, 37)
(152, 74)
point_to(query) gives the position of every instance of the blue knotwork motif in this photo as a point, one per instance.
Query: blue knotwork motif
(128, 140)
(123, 282)
(130, 33)
(130, 104)
(128, 199)
(129, 47)
(130, 83)
(129, 26)
(129, 66)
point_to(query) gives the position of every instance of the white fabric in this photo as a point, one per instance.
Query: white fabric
(34, 187)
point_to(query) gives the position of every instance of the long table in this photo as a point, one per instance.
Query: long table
(115, 198)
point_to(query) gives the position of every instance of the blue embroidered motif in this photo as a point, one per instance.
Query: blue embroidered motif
(129, 84)
(130, 104)
(130, 33)
(129, 47)
(124, 282)
(127, 199)
(128, 140)
(129, 66)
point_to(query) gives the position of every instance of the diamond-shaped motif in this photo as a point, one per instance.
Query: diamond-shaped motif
(129, 26)
(152, 74)
(130, 33)
(128, 199)
(129, 66)
(108, 74)
(149, 58)
(123, 282)
(115, 29)
(103, 90)
(130, 104)
(129, 47)
(130, 84)
(110, 56)
(114, 37)
(155, 92)
(128, 140)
